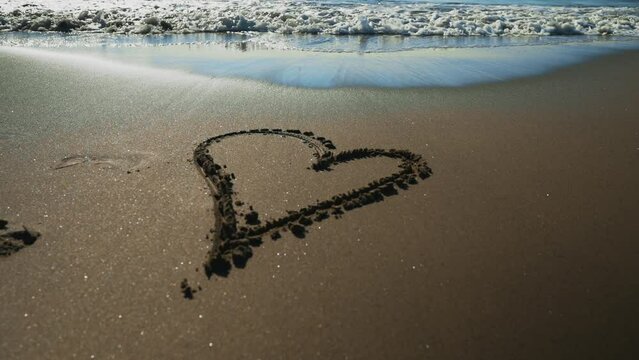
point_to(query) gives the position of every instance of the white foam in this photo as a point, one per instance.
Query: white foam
(422, 19)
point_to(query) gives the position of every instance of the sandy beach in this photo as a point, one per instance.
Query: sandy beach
(522, 243)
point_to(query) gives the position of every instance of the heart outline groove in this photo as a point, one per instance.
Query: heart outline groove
(232, 244)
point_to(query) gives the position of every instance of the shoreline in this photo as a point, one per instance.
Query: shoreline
(521, 244)
(430, 68)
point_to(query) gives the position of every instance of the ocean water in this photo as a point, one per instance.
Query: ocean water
(334, 43)
(511, 2)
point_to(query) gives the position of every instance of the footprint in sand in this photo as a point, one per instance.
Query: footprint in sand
(12, 241)
(128, 161)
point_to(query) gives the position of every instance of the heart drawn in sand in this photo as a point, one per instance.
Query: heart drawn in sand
(232, 241)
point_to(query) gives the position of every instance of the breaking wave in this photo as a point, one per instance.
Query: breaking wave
(286, 17)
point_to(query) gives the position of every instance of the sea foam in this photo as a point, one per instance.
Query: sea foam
(285, 17)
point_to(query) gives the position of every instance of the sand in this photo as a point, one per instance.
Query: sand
(522, 243)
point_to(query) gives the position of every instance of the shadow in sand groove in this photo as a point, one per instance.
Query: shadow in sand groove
(13, 241)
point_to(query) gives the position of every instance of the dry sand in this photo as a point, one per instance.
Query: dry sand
(523, 243)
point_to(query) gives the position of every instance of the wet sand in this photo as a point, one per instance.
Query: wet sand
(522, 243)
